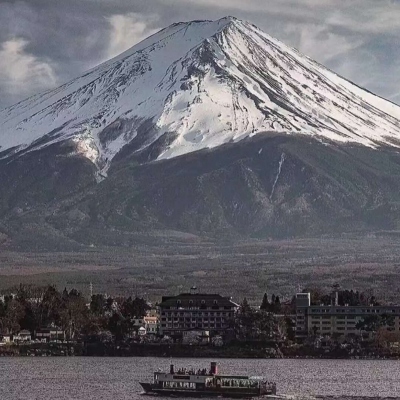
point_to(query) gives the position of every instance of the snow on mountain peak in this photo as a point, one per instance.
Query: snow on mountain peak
(198, 85)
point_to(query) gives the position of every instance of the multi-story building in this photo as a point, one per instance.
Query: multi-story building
(152, 325)
(49, 334)
(189, 311)
(23, 336)
(336, 319)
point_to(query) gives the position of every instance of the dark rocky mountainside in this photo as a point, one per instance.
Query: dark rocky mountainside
(268, 186)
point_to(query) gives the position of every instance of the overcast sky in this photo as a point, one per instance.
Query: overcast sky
(44, 43)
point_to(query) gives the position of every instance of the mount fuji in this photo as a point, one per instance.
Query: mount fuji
(205, 127)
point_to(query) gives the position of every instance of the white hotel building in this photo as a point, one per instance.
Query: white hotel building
(336, 319)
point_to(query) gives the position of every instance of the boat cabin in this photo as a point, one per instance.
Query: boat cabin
(207, 380)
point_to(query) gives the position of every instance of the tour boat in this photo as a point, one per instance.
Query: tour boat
(203, 383)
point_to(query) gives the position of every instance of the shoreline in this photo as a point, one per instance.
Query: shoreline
(180, 351)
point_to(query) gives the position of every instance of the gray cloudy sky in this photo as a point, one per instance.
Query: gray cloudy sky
(44, 43)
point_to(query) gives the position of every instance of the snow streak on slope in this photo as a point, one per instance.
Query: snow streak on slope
(197, 85)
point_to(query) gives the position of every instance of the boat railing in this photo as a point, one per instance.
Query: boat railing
(200, 372)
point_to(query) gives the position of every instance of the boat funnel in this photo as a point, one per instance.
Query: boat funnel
(171, 369)
(214, 368)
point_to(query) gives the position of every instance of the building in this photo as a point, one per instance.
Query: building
(153, 312)
(336, 319)
(5, 339)
(141, 331)
(137, 328)
(189, 311)
(152, 325)
(22, 336)
(49, 334)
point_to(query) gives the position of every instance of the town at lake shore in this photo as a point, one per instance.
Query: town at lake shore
(335, 323)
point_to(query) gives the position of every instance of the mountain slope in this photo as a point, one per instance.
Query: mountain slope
(278, 186)
(211, 128)
(198, 85)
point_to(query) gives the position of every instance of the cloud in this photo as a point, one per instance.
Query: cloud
(319, 42)
(126, 31)
(367, 16)
(356, 38)
(22, 73)
(363, 16)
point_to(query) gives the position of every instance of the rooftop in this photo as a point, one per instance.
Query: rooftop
(197, 300)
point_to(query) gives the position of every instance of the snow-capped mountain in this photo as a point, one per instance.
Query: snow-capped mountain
(270, 144)
(198, 85)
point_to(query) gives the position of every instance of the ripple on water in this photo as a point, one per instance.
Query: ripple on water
(79, 378)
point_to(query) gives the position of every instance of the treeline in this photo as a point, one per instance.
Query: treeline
(263, 324)
(345, 297)
(116, 318)
(273, 306)
(32, 308)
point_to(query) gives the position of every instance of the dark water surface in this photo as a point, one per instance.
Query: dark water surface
(117, 378)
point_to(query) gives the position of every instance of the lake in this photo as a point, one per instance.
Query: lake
(80, 378)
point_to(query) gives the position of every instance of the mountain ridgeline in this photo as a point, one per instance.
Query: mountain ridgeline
(211, 128)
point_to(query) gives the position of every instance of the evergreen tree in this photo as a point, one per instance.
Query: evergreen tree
(98, 304)
(50, 307)
(265, 306)
(245, 321)
(134, 308)
(277, 305)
